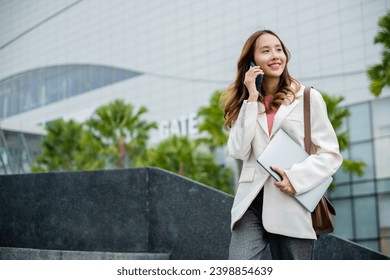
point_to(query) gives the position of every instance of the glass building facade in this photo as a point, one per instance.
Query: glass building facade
(40, 87)
(65, 58)
(18, 151)
(363, 202)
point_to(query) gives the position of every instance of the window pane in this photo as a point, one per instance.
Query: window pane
(363, 188)
(340, 191)
(43, 86)
(382, 157)
(384, 214)
(14, 98)
(365, 217)
(3, 101)
(363, 152)
(359, 122)
(380, 118)
(385, 246)
(383, 186)
(341, 176)
(343, 219)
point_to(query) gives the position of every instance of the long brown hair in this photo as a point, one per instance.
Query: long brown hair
(235, 95)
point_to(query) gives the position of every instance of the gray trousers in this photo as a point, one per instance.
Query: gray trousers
(249, 239)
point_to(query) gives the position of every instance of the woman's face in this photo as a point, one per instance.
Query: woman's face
(269, 55)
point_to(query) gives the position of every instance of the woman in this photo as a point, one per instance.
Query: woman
(265, 211)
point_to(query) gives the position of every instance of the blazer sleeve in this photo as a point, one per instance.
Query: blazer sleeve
(243, 131)
(325, 158)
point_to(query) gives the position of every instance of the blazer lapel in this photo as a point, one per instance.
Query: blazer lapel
(262, 118)
(283, 111)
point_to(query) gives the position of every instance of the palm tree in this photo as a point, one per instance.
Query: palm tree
(183, 156)
(379, 74)
(211, 128)
(337, 116)
(121, 131)
(68, 146)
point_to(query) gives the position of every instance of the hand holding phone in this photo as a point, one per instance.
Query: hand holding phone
(259, 79)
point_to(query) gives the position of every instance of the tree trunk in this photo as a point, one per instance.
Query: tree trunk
(122, 153)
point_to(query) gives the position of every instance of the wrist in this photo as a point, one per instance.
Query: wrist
(253, 98)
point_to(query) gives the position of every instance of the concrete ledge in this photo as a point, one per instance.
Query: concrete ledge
(123, 210)
(331, 247)
(130, 212)
(8, 253)
(98, 211)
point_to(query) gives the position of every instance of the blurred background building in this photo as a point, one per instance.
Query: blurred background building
(64, 58)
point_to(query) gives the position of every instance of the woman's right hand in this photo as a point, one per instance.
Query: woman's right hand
(250, 82)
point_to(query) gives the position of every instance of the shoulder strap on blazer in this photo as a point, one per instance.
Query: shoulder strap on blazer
(306, 121)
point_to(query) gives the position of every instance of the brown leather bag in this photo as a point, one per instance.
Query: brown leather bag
(322, 215)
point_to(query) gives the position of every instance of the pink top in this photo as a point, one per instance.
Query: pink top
(270, 114)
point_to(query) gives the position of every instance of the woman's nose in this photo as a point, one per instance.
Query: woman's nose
(274, 55)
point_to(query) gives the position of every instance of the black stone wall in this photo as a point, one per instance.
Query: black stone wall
(145, 210)
(86, 211)
(190, 220)
(131, 210)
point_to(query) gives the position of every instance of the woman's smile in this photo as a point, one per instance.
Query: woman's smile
(274, 66)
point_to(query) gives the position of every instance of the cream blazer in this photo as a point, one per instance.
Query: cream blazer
(282, 214)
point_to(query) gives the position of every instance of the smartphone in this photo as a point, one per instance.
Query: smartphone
(259, 79)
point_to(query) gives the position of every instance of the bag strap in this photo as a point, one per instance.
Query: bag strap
(306, 121)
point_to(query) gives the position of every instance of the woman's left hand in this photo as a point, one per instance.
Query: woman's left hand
(284, 185)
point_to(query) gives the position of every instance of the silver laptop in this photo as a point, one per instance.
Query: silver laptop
(284, 152)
